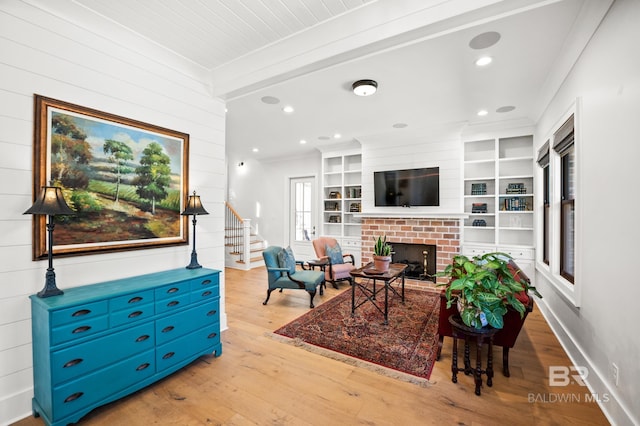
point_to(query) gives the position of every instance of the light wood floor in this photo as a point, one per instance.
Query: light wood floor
(260, 381)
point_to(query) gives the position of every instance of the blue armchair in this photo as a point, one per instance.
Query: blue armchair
(282, 273)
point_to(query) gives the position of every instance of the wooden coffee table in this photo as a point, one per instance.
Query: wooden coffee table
(365, 280)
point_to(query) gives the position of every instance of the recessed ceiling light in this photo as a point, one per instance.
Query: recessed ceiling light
(302, 141)
(271, 100)
(324, 138)
(484, 61)
(337, 136)
(482, 112)
(484, 40)
(288, 109)
(364, 87)
(255, 150)
(506, 108)
(400, 125)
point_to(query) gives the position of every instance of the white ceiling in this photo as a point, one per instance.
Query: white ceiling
(306, 53)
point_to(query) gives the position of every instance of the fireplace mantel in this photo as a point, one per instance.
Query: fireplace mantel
(408, 214)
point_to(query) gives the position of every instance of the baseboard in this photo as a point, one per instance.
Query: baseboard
(16, 407)
(608, 400)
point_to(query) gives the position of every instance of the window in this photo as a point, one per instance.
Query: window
(563, 145)
(543, 161)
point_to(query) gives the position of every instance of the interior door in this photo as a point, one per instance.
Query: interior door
(302, 219)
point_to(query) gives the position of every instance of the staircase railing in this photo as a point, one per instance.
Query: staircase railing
(238, 234)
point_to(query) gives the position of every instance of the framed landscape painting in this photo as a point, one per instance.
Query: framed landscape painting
(126, 180)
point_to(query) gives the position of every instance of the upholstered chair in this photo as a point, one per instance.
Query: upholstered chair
(282, 273)
(507, 336)
(339, 264)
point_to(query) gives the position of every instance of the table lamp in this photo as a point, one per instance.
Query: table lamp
(51, 203)
(194, 207)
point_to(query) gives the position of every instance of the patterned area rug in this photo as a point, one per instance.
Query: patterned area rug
(408, 344)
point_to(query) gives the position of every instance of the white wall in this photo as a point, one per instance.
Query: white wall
(430, 147)
(92, 64)
(606, 83)
(266, 184)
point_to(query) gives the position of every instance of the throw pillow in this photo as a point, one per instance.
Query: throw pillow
(287, 260)
(334, 253)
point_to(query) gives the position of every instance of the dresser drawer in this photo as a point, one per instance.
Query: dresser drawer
(131, 315)
(79, 313)
(90, 389)
(81, 359)
(172, 290)
(204, 292)
(131, 300)
(186, 346)
(211, 283)
(172, 303)
(79, 329)
(184, 322)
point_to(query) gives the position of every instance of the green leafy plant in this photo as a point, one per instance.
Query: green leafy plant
(484, 286)
(382, 248)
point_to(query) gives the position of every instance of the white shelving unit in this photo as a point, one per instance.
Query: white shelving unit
(342, 199)
(498, 194)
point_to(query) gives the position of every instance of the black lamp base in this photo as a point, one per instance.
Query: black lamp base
(194, 262)
(50, 288)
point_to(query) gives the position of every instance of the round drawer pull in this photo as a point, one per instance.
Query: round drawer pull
(212, 335)
(73, 397)
(206, 282)
(72, 363)
(143, 366)
(81, 312)
(173, 290)
(135, 314)
(135, 299)
(168, 329)
(168, 355)
(81, 329)
(206, 293)
(142, 338)
(173, 303)
(211, 313)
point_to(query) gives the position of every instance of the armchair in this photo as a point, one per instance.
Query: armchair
(282, 273)
(507, 336)
(333, 271)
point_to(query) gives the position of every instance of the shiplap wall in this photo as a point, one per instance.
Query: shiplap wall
(431, 147)
(94, 64)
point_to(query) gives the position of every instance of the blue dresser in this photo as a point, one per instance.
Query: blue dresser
(97, 343)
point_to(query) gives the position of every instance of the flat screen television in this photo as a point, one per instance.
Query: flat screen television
(407, 188)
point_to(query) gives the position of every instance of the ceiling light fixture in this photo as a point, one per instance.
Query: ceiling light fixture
(255, 150)
(482, 112)
(364, 87)
(337, 136)
(288, 109)
(302, 142)
(484, 61)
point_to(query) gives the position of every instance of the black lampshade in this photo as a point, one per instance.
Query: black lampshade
(50, 202)
(194, 206)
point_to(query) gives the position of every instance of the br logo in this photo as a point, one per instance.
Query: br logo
(560, 375)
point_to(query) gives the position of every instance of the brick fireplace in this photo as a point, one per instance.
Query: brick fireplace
(444, 233)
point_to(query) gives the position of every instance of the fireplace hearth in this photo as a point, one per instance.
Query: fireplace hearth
(419, 258)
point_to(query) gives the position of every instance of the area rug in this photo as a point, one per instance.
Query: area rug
(408, 344)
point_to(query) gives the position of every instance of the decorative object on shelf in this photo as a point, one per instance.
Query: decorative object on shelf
(355, 192)
(484, 286)
(335, 194)
(146, 182)
(364, 87)
(331, 206)
(334, 219)
(479, 188)
(354, 207)
(479, 208)
(479, 222)
(515, 204)
(195, 208)
(382, 254)
(516, 188)
(50, 203)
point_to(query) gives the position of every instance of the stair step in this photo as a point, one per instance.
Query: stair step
(253, 259)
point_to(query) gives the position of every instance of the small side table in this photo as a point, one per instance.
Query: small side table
(461, 330)
(322, 264)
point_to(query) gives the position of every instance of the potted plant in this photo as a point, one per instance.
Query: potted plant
(382, 254)
(484, 287)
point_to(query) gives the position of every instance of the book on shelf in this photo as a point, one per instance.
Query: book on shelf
(479, 188)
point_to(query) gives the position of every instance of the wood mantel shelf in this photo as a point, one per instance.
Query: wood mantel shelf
(410, 214)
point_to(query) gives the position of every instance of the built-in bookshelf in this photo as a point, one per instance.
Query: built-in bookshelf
(498, 197)
(342, 197)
